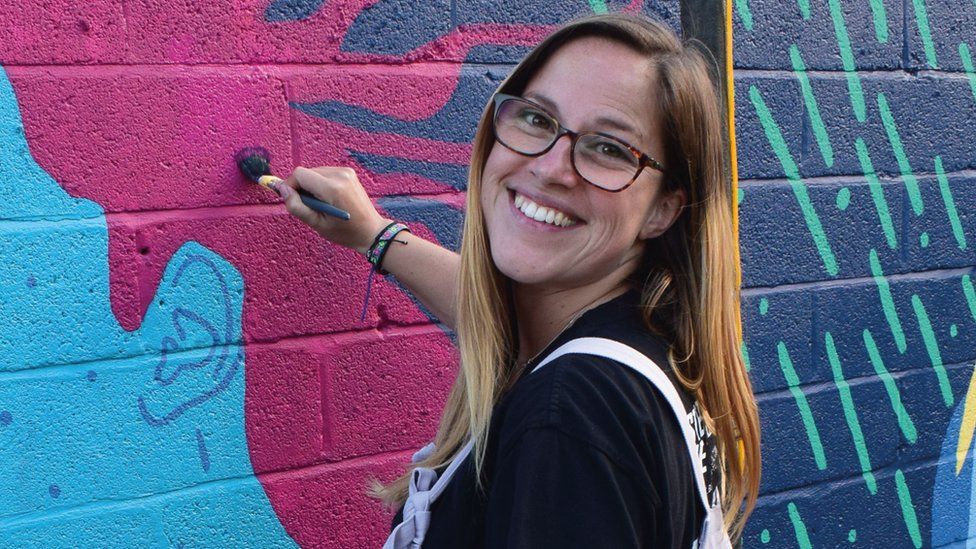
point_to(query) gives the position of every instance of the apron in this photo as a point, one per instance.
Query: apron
(426, 487)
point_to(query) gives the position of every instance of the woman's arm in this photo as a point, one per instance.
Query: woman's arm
(429, 271)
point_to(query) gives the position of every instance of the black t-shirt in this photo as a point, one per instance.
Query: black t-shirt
(585, 452)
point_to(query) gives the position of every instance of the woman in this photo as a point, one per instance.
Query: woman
(598, 206)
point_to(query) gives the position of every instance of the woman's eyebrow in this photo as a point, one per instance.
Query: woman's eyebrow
(603, 122)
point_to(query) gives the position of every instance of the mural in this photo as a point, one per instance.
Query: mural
(852, 125)
(146, 396)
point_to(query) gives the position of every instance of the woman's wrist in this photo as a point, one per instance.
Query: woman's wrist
(363, 248)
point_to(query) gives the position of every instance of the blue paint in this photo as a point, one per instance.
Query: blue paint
(455, 122)
(202, 450)
(953, 504)
(453, 175)
(395, 27)
(444, 220)
(31, 281)
(182, 370)
(291, 10)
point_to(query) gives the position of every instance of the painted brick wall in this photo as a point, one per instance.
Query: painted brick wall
(856, 158)
(183, 364)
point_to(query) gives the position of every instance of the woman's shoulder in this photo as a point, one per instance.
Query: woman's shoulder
(599, 402)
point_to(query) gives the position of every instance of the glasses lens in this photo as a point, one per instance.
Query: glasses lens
(604, 161)
(523, 127)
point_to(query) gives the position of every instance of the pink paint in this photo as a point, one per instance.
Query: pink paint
(62, 31)
(326, 506)
(235, 31)
(173, 91)
(150, 138)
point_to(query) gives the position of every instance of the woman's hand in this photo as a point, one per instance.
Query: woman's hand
(341, 188)
(426, 269)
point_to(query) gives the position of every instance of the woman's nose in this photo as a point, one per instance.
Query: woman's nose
(556, 164)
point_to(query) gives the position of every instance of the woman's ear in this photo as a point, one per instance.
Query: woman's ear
(664, 213)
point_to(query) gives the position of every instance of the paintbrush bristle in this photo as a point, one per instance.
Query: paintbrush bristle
(253, 162)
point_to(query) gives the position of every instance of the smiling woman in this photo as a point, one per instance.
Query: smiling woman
(601, 400)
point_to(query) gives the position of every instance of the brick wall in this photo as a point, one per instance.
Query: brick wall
(856, 156)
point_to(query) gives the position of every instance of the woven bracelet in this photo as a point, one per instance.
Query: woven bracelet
(376, 253)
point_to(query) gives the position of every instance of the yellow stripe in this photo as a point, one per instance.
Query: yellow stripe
(967, 426)
(734, 165)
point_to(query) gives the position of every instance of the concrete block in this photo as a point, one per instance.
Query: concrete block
(764, 32)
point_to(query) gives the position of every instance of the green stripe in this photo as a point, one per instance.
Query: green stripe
(880, 20)
(877, 193)
(598, 6)
(922, 18)
(745, 356)
(801, 402)
(970, 292)
(775, 138)
(847, 58)
(911, 184)
(850, 413)
(887, 302)
(908, 509)
(810, 102)
(802, 538)
(904, 420)
(950, 204)
(804, 8)
(742, 8)
(967, 63)
(932, 346)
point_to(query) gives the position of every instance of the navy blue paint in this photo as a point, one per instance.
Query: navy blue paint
(778, 250)
(222, 343)
(443, 220)
(455, 122)
(395, 27)
(440, 218)
(782, 96)
(54, 490)
(453, 175)
(202, 450)
(950, 22)
(788, 461)
(91, 375)
(291, 10)
(777, 25)
(932, 116)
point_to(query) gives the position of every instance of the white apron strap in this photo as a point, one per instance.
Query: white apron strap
(425, 488)
(713, 531)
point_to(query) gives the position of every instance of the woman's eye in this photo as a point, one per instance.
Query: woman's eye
(536, 119)
(610, 150)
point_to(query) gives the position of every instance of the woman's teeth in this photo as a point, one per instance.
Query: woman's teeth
(542, 213)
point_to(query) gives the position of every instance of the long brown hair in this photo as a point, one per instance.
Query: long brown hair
(687, 277)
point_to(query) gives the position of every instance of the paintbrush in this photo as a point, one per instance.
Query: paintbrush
(255, 163)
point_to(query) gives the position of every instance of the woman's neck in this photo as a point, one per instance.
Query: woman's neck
(544, 313)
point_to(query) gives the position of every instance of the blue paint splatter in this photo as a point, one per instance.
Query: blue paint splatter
(54, 490)
(291, 10)
(5, 418)
(31, 281)
(204, 455)
(92, 375)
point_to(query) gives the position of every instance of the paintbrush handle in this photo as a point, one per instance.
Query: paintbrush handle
(272, 182)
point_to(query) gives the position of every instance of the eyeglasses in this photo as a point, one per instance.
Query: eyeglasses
(602, 160)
